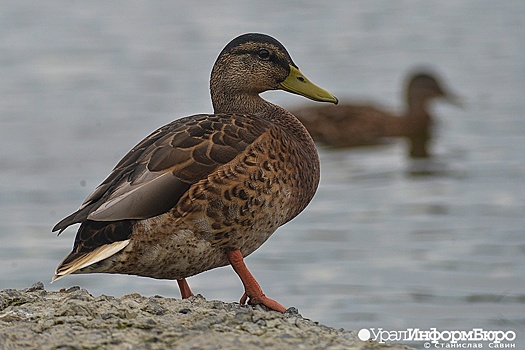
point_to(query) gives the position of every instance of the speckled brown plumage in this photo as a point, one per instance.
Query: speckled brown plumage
(353, 124)
(206, 190)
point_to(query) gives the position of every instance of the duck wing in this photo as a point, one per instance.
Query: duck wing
(155, 174)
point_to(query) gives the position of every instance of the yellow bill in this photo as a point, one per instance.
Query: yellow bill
(298, 84)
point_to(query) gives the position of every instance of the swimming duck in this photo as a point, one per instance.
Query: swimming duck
(206, 190)
(350, 125)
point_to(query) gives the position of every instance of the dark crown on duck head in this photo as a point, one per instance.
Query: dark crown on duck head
(235, 46)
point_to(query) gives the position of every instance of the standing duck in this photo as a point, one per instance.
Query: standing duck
(206, 190)
(350, 125)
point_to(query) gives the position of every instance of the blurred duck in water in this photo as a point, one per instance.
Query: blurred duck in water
(351, 125)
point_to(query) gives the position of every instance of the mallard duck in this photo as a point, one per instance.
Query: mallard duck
(350, 125)
(206, 190)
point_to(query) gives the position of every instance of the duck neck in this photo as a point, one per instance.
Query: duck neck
(417, 107)
(239, 103)
(419, 124)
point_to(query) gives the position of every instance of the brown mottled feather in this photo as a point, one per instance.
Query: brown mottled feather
(185, 148)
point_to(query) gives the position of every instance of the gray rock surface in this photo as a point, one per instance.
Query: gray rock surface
(34, 318)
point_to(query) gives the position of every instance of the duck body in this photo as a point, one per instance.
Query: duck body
(364, 124)
(349, 124)
(206, 190)
(247, 189)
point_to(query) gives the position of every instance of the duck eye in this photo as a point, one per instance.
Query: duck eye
(264, 54)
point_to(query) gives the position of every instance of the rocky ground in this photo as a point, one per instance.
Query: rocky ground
(34, 318)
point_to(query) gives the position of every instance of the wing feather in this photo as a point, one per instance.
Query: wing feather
(154, 175)
(90, 258)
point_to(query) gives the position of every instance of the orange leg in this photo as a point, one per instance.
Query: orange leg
(184, 287)
(252, 289)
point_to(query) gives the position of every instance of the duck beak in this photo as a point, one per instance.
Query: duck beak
(455, 100)
(298, 84)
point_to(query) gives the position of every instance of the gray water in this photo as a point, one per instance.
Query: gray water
(83, 82)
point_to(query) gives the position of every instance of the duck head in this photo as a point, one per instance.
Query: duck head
(251, 64)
